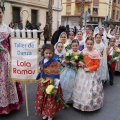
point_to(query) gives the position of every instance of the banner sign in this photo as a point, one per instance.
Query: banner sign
(24, 59)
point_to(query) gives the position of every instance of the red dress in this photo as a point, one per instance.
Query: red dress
(113, 64)
(45, 104)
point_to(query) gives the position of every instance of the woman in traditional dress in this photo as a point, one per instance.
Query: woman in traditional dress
(88, 90)
(68, 74)
(79, 36)
(10, 93)
(100, 47)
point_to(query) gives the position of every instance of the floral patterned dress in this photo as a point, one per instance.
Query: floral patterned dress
(46, 104)
(10, 93)
(67, 80)
(88, 90)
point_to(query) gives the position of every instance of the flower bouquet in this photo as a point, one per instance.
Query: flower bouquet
(115, 56)
(51, 90)
(74, 58)
(67, 47)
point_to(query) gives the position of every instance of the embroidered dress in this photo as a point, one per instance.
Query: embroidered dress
(10, 93)
(103, 69)
(46, 104)
(67, 78)
(88, 90)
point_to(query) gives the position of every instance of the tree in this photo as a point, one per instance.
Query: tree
(50, 18)
(82, 12)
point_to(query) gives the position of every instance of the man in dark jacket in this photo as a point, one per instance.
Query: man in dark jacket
(56, 35)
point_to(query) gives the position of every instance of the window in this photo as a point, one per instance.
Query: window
(16, 14)
(68, 8)
(89, 10)
(114, 1)
(34, 14)
(113, 15)
(117, 15)
(95, 10)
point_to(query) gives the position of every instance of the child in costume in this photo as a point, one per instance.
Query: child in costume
(48, 104)
(59, 54)
(88, 90)
(69, 41)
(111, 65)
(68, 74)
(71, 38)
(63, 40)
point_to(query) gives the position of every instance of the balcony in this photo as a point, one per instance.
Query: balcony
(78, 1)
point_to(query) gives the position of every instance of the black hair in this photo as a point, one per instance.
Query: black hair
(47, 46)
(89, 38)
(75, 41)
(97, 35)
(58, 43)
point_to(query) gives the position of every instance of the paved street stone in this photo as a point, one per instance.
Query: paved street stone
(110, 110)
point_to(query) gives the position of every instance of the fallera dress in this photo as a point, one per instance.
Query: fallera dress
(67, 80)
(88, 90)
(45, 104)
(10, 93)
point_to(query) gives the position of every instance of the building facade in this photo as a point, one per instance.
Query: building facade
(116, 11)
(97, 9)
(33, 10)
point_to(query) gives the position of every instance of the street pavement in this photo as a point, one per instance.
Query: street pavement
(110, 110)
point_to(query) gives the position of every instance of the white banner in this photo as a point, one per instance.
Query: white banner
(24, 59)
